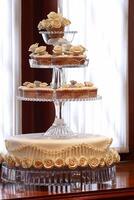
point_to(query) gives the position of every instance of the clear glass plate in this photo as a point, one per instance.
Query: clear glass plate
(38, 99)
(35, 64)
(51, 37)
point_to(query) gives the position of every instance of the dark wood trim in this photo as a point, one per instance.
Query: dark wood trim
(131, 75)
(26, 73)
(130, 154)
(36, 117)
(127, 156)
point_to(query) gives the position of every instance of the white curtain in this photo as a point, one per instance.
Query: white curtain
(102, 28)
(10, 68)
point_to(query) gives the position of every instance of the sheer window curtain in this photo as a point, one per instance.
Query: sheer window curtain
(102, 28)
(10, 69)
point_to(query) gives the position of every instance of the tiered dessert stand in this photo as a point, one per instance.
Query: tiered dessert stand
(75, 178)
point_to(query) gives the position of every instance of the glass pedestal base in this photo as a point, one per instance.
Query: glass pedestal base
(76, 179)
(59, 130)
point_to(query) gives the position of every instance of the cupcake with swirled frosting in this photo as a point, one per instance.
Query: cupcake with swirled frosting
(77, 50)
(39, 54)
(76, 90)
(36, 89)
(55, 23)
(69, 55)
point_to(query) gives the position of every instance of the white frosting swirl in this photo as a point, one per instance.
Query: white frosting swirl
(57, 50)
(33, 47)
(40, 50)
(55, 23)
(54, 20)
(54, 15)
(77, 50)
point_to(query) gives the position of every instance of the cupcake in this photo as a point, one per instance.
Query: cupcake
(40, 55)
(75, 90)
(37, 89)
(69, 55)
(55, 24)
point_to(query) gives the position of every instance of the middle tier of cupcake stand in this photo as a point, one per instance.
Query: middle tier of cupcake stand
(59, 128)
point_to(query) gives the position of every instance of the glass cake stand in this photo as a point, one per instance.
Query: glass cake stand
(73, 179)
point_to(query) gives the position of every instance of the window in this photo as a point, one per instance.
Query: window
(106, 37)
(10, 42)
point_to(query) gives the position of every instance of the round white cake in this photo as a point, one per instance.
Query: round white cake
(35, 150)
